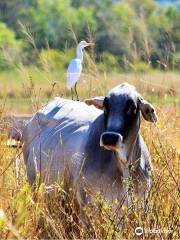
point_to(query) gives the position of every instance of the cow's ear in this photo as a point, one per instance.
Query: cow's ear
(97, 102)
(147, 110)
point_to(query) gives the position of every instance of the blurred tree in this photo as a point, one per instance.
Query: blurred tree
(9, 47)
(161, 25)
(10, 12)
(145, 7)
(130, 30)
(87, 3)
(55, 21)
(112, 34)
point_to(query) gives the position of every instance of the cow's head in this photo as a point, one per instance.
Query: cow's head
(122, 107)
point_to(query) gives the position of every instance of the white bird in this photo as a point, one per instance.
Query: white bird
(75, 67)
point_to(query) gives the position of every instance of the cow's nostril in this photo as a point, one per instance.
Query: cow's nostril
(110, 138)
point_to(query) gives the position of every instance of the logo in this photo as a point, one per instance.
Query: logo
(139, 231)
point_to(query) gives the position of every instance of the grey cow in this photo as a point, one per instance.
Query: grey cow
(98, 140)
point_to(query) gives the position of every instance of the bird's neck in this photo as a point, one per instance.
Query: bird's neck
(79, 53)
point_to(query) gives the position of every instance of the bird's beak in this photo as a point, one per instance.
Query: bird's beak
(90, 45)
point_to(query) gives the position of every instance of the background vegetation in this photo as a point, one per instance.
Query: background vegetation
(37, 41)
(129, 35)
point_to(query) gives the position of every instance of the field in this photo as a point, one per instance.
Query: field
(22, 90)
(25, 213)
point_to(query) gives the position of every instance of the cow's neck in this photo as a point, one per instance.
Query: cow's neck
(131, 155)
(133, 151)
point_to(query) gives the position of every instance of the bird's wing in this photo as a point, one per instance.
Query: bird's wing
(73, 72)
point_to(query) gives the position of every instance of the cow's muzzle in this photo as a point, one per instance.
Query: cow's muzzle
(111, 140)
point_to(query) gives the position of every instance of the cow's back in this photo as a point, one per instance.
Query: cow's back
(55, 137)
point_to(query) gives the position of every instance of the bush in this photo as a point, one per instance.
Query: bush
(110, 61)
(176, 61)
(55, 59)
(141, 67)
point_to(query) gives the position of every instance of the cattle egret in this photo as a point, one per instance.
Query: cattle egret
(75, 68)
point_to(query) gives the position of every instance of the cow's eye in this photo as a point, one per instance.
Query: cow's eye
(106, 105)
(131, 108)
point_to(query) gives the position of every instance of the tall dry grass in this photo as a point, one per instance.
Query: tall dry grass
(26, 213)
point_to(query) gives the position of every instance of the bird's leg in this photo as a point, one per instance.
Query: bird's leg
(72, 93)
(77, 98)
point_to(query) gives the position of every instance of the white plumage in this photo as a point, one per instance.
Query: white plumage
(74, 72)
(75, 67)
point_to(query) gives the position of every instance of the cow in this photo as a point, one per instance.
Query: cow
(98, 141)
